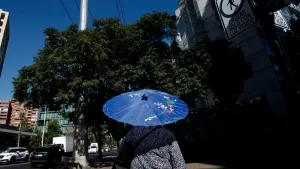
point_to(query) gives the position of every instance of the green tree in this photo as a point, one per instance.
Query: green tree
(84, 69)
(53, 130)
(23, 123)
(35, 141)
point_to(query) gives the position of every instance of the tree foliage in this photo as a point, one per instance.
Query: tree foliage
(53, 130)
(35, 141)
(23, 124)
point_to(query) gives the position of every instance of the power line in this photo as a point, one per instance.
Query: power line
(77, 4)
(90, 13)
(119, 12)
(67, 11)
(122, 11)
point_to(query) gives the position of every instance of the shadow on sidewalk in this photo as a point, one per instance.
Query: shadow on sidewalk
(235, 156)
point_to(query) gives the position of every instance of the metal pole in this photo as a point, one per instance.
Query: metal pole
(83, 14)
(44, 124)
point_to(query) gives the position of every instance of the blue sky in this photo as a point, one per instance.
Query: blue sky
(29, 18)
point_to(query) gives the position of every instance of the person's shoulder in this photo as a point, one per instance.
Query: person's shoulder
(165, 132)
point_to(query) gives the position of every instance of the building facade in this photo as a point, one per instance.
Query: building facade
(4, 105)
(10, 113)
(4, 36)
(200, 17)
(66, 125)
(14, 111)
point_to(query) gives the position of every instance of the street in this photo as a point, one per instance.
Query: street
(18, 165)
(22, 165)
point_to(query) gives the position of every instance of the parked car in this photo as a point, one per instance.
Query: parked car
(47, 156)
(14, 154)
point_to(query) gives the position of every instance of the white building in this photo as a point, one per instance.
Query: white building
(201, 17)
(4, 36)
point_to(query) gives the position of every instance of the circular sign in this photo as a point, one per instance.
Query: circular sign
(232, 8)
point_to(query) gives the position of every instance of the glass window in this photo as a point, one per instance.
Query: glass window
(41, 149)
(11, 150)
(285, 11)
(2, 16)
(286, 14)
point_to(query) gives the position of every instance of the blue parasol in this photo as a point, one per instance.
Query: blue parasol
(146, 108)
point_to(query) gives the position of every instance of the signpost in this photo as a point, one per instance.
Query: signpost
(236, 16)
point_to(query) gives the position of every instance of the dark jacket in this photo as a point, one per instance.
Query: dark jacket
(158, 150)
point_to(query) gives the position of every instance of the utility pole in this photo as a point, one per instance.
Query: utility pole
(83, 14)
(80, 128)
(43, 134)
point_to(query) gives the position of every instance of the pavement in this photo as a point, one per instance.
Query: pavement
(189, 166)
(107, 163)
(193, 166)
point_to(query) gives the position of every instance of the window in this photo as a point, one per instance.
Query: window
(286, 13)
(2, 15)
(11, 150)
(41, 149)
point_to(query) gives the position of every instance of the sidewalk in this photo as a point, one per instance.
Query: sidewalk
(108, 162)
(192, 166)
(203, 166)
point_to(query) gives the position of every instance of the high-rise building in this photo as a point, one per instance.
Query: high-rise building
(66, 125)
(201, 17)
(4, 36)
(15, 108)
(4, 105)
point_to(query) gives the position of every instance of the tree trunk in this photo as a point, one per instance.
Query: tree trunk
(80, 141)
(100, 144)
(118, 144)
(19, 136)
(100, 154)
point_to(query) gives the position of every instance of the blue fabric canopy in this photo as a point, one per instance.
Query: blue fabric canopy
(146, 108)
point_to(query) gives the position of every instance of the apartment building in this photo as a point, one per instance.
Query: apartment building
(4, 105)
(201, 17)
(4, 36)
(14, 111)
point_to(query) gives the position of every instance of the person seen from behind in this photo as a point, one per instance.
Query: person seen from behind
(149, 148)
